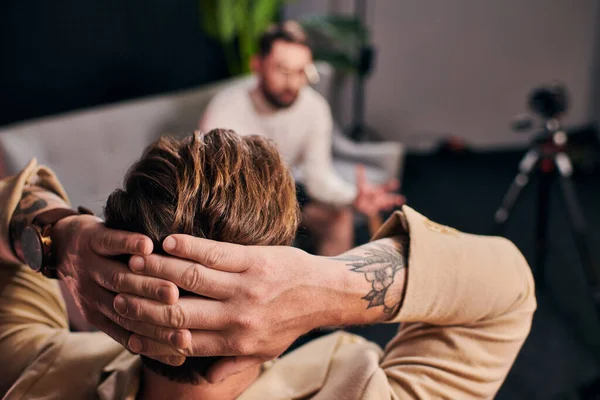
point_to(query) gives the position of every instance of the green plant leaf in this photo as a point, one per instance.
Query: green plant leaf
(225, 16)
(338, 25)
(337, 61)
(263, 14)
(238, 24)
(245, 38)
(239, 14)
(337, 39)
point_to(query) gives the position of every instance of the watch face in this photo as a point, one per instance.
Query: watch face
(31, 244)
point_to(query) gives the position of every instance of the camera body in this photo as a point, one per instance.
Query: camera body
(550, 101)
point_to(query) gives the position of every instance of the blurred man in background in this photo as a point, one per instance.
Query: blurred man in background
(283, 108)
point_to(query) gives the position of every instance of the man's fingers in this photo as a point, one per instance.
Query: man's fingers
(103, 315)
(228, 366)
(151, 348)
(113, 330)
(186, 274)
(187, 313)
(203, 344)
(392, 185)
(361, 176)
(388, 202)
(111, 242)
(399, 200)
(177, 338)
(226, 257)
(149, 287)
(119, 327)
(175, 361)
(211, 344)
(116, 277)
(395, 200)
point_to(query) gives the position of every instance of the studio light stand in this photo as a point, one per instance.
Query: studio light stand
(547, 157)
(364, 66)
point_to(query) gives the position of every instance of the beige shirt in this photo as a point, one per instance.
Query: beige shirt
(467, 310)
(302, 133)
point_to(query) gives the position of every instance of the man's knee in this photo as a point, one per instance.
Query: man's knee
(342, 218)
(326, 216)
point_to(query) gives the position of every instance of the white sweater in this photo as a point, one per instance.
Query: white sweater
(301, 132)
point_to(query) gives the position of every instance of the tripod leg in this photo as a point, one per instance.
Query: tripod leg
(578, 222)
(541, 227)
(510, 198)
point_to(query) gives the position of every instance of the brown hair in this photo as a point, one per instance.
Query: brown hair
(218, 186)
(288, 31)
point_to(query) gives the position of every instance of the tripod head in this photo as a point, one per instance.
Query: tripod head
(549, 103)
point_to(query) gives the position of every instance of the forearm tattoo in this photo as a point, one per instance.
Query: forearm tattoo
(29, 205)
(379, 263)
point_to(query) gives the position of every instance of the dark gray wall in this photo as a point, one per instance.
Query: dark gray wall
(594, 106)
(67, 54)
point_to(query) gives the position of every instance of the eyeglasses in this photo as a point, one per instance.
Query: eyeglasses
(309, 73)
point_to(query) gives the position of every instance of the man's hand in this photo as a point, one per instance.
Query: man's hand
(83, 247)
(372, 199)
(257, 300)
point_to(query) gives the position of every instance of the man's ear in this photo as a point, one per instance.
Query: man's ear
(256, 64)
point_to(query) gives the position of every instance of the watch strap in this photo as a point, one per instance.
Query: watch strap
(52, 216)
(45, 221)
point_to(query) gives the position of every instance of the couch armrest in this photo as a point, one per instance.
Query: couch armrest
(386, 156)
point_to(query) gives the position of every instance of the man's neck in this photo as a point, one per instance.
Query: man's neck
(260, 103)
(155, 387)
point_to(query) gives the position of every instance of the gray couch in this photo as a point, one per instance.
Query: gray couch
(90, 150)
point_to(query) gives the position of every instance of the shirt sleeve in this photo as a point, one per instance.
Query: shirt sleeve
(34, 329)
(11, 190)
(22, 306)
(321, 180)
(467, 310)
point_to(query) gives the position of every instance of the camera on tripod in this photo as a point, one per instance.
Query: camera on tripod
(547, 160)
(549, 102)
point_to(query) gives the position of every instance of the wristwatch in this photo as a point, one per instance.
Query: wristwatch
(36, 240)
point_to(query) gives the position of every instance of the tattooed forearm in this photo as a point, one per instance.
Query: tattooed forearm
(34, 200)
(29, 205)
(38, 204)
(380, 263)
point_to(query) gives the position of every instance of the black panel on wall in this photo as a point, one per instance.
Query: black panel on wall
(62, 55)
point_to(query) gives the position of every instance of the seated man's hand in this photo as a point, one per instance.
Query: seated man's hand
(372, 199)
(83, 247)
(256, 301)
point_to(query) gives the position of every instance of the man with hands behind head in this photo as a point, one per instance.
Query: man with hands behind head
(465, 303)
